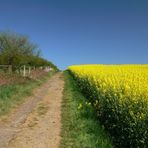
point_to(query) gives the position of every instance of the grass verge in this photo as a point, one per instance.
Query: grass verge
(80, 127)
(14, 94)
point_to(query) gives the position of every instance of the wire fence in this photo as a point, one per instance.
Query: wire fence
(25, 71)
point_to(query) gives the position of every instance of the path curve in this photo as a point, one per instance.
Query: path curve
(37, 122)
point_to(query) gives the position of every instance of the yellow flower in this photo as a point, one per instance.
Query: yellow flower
(80, 106)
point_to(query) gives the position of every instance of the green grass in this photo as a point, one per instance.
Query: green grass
(80, 127)
(14, 94)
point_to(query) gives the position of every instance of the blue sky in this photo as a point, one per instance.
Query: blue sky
(81, 31)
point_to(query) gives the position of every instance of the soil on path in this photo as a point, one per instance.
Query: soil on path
(37, 122)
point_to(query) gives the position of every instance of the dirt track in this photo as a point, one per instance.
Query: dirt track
(37, 123)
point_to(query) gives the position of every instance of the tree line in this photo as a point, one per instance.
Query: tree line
(18, 50)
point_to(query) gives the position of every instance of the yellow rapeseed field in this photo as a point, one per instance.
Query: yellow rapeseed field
(119, 94)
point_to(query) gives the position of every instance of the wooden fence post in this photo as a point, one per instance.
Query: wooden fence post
(29, 70)
(10, 68)
(24, 72)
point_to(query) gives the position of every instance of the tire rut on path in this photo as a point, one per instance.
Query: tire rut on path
(37, 122)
